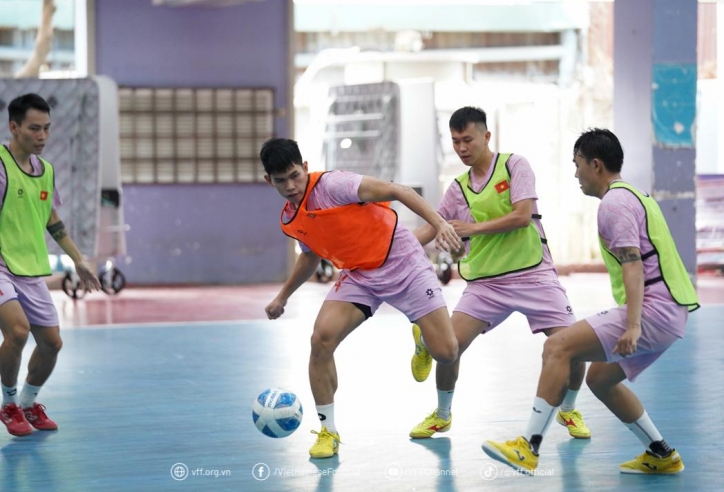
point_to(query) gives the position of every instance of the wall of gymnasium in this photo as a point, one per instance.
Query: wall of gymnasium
(201, 233)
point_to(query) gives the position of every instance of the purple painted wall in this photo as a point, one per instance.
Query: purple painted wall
(204, 234)
(188, 234)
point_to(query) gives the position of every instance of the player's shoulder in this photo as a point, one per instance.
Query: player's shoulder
(618, 202)
(618, 197)
(514, 158)
(338, 175)
(517, 162)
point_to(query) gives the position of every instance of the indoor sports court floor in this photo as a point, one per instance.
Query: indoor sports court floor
(153, 392)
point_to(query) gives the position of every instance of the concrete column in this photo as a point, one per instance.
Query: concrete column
(654, 107)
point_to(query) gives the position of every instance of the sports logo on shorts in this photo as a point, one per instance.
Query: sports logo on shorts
(430, 293)
(338, 284)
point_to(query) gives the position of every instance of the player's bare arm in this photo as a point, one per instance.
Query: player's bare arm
(58, 232)
(376, 190)
(425, 233)
(633, 280)
(519, 217)
(627, 254)
(304, 268)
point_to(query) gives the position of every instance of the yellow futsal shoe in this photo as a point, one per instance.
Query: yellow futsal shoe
(517, 453)
(652, 464)
(430, 426)
(327, 444)
(573, 421)
(422, 360)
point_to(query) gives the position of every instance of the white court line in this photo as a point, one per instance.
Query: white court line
(176, 324)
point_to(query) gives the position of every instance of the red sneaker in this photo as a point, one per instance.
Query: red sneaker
(37, 418)
(14, 420)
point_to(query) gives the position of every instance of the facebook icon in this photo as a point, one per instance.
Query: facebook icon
(260, 471)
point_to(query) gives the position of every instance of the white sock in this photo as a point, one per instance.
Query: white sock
(422, 339)
(28, 395)
(569, 402)
(645, 430)
(444, 403)
(10, 394)
(326, 416)
(541, 417)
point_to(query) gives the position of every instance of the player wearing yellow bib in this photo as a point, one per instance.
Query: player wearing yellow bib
(27, 209)
(654, 296)
(508, 266)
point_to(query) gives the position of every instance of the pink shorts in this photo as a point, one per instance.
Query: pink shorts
(544, 304)
(34, 298)
(655, 339)
(418, 295)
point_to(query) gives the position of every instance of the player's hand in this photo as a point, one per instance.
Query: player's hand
(447, 239)
(627, 342)
(275, 308)
(86, 275)
(458, 255)
(462, 229)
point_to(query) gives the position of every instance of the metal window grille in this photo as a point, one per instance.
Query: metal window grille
(361, 129)
(185, 135)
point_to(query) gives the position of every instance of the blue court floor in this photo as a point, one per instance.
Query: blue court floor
(167, 407)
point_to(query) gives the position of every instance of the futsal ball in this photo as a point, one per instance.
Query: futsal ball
(276, 412)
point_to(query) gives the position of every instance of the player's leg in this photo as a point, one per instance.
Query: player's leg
(548, 310)
(568, 415)
(437, 331)
(43, 317)
(606, 382)
(15, 330)
(466, 328)
(41, 365)
(420, 298)
(593, 340)
(336, 320)
(577, 342)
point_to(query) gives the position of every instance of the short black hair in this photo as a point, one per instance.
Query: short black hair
(279, 154)
(602, 144)
(19, 107)
(461, 118)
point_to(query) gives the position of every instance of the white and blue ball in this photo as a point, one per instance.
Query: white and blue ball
(276, 412)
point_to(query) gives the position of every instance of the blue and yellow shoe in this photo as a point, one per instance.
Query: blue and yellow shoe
(649, 463)
(422, 360)
(430, 426)
(517, 453)
(327, 444)
(573, 421)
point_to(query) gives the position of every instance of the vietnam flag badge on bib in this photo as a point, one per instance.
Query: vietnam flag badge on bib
(502, 186)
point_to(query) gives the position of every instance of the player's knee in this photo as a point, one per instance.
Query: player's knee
(446, 354)
(323, 343)
(52, 346)
(598, 382)
(555, 348)
(17, 334)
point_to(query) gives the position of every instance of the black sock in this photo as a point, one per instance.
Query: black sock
(535, 441)
(660, 448)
